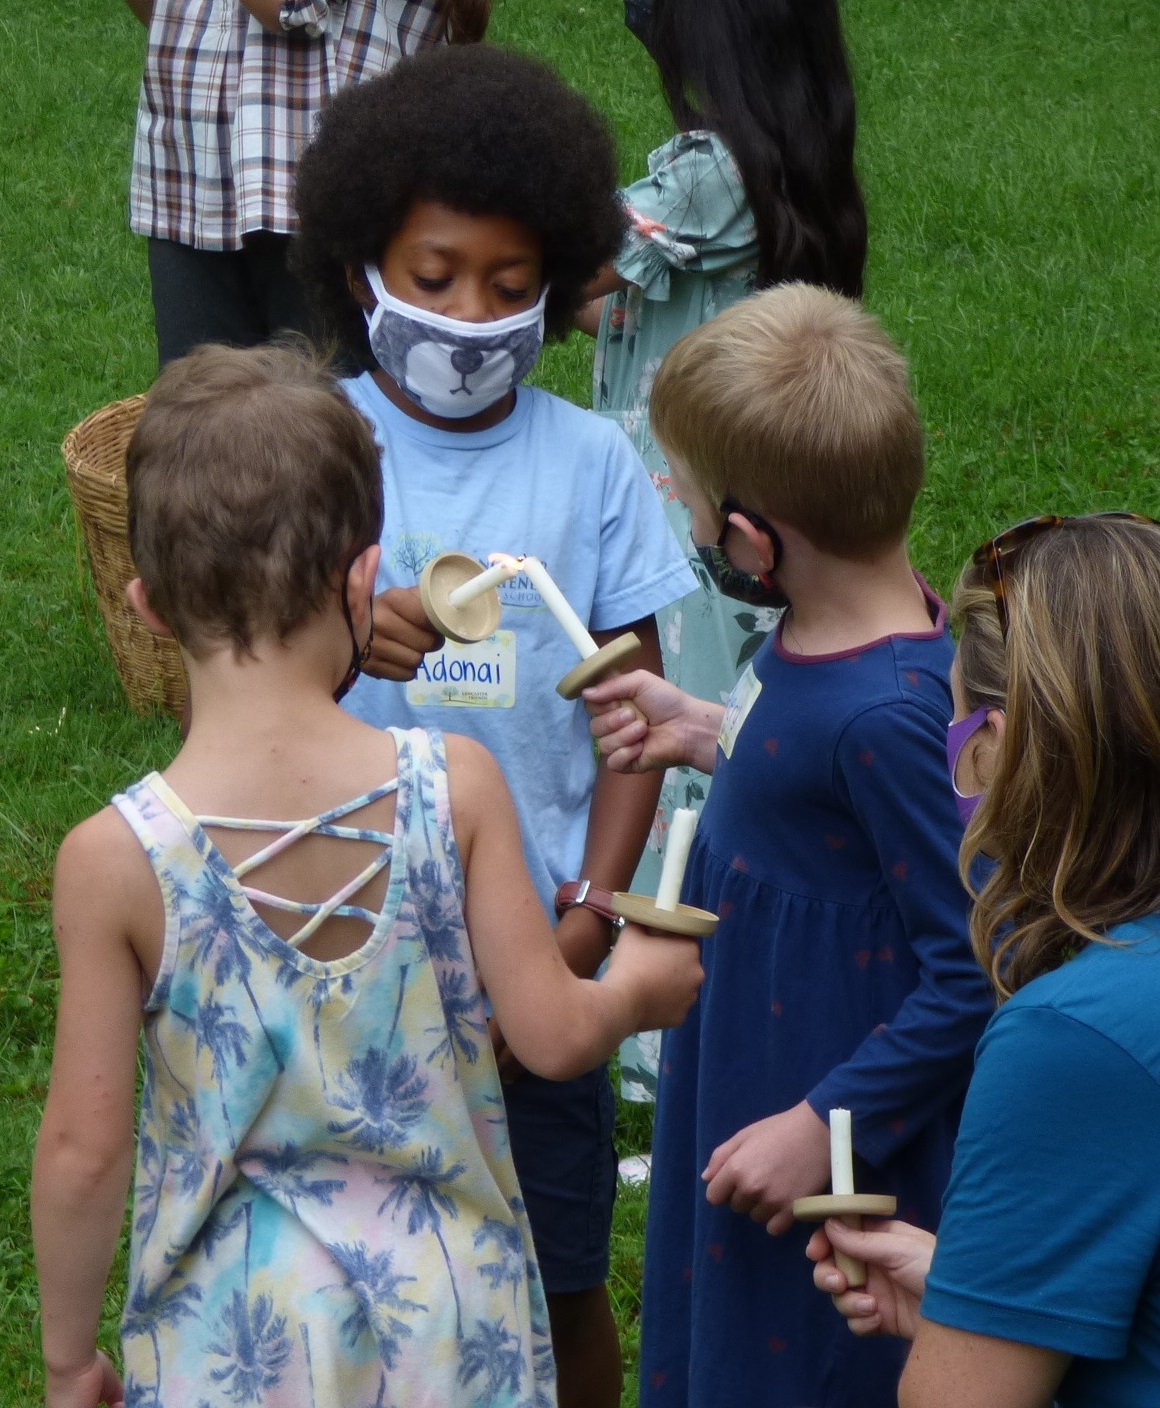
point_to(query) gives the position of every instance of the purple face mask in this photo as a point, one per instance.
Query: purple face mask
(957, 735)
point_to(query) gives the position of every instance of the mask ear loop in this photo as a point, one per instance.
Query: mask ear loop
(359, 654)
(384, 299)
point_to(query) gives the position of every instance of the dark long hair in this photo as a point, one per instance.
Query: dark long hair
(770, 77)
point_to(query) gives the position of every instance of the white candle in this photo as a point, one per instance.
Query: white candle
(556, 603)
(680, 838)
(476, 586)
(841, 1152)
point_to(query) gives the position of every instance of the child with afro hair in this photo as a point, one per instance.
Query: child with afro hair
(451, 216)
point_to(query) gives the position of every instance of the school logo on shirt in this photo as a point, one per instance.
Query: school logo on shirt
(478, 676)
(741, 701)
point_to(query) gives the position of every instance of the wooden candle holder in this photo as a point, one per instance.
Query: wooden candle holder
(610, 659)
(467, 624)
(686, 919)
(851, 1208)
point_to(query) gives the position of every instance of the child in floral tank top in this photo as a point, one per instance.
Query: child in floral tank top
(301, 911)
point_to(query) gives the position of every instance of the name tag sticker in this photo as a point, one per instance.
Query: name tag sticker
(478, 676)
(743, 698)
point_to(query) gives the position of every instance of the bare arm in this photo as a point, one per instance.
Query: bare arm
(143, 9)
(84, 1154)
(588, 318)
(606, 281)
(556, 1024)
(955, 1369)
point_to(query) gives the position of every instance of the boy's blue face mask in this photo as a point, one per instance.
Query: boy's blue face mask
(451, 368)
(754, 588)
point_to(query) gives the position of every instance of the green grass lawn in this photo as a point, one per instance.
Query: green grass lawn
(1009, 155)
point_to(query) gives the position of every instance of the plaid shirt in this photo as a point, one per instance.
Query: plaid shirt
(226, 106)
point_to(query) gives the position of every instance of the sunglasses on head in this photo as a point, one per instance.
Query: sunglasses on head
(991, 554)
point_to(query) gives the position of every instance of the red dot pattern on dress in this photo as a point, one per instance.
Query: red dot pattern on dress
(835, 843)
(775, 1344)
(776, 1007)
(657, 1378)
(715, 1250)
(739, 863)
(862, 958)
(898, 1127)
(912, 678)
(899, 870)
(885, 954)
(724, 909)
(866, 757)
(770, 747)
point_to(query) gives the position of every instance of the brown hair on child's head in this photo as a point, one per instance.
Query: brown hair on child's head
(253, 483)
(796, 403)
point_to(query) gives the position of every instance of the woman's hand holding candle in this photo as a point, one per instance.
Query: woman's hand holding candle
(897, 1257)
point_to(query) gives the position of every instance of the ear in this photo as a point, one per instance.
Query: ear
(760, 544)
(360, 582)
(356, 281)
(984, 746)
(138, 600)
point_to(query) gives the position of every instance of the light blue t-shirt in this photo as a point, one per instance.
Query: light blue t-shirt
(1051, 1226)
(550, 481)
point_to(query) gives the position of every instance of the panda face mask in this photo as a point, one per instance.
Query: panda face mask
(450, 368)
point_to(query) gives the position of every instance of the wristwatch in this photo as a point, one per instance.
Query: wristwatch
(583, 894)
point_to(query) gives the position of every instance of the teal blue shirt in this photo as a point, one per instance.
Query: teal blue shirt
(1051, 1229)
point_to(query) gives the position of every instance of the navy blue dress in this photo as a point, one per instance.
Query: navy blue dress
(841, 973)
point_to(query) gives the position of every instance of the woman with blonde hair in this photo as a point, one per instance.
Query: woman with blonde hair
(1045, 1282)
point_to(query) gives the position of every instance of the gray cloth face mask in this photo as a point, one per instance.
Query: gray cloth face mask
(451, 368)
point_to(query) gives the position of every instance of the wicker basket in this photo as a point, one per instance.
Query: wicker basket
(94, 454)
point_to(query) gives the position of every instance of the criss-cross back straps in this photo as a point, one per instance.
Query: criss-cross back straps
(323, 825)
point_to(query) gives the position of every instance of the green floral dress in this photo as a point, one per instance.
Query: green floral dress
(691, 253)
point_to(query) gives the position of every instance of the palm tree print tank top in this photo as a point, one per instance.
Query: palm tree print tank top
(325, 1210)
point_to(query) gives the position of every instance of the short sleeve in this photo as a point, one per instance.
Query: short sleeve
(1051, 1221)
(690, 213)
(642, 567)
(891, 766)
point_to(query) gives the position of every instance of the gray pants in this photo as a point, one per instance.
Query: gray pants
(242, 297)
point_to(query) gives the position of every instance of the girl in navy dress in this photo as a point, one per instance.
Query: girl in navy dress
(841, 973)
